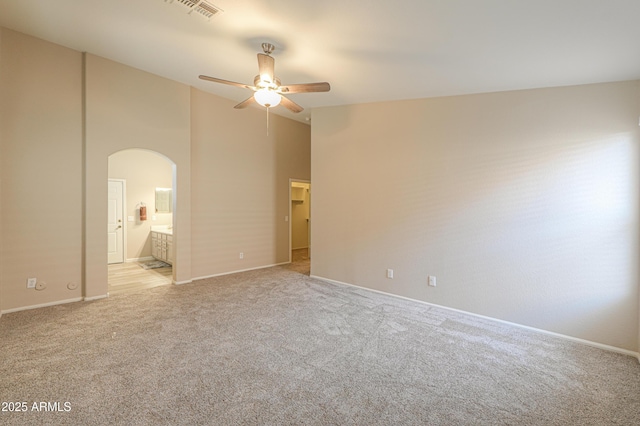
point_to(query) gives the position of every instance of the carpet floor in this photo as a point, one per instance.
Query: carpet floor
(276, 347)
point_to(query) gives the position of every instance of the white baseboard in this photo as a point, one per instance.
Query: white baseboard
(104, 296)
(42, 305)
(240, 270)
(139, 259)
(89, 299)
(539, 330)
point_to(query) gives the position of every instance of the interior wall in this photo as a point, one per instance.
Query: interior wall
(523, 204)
(2, 112)
(40, 171)
(240, 184)
(144, 171)
(113, 107)
(128, 108)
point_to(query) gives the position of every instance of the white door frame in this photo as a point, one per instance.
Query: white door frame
(124, 221)
(291, 180)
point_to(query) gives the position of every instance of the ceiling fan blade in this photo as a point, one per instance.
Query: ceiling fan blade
(289, 104)
(230, 83)
(305, 88)
(265, 65)
(245, 103)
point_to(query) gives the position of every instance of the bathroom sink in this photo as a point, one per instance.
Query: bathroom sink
(164, 229)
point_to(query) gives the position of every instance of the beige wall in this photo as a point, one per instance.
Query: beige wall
(523, 204)
(2, 114)
(41, 170)
(53, 189)
(240, 184)
(128, 108)
(143, 171)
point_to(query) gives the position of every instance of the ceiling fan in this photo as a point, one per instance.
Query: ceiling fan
(267, 88)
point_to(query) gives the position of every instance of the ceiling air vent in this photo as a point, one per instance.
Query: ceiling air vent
(201, 7)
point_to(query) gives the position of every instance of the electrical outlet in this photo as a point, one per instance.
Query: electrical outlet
(31, 282)
(432, 281)
(241, 255)
(390, 273)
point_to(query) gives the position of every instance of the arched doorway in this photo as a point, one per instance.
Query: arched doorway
(140, 228)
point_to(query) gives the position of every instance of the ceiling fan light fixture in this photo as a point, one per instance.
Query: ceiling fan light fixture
(268, 91)
(267, 97)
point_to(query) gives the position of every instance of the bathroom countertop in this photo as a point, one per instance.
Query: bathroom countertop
(162, 229)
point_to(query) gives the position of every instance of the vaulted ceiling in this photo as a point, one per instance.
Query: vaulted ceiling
(369, 50)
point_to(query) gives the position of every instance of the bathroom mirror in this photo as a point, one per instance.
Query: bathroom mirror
(163, 200)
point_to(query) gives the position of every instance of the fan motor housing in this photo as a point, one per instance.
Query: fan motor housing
(259, 83)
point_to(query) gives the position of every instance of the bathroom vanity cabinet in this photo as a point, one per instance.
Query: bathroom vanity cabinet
(162, 245)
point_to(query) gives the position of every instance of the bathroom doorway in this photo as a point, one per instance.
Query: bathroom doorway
(146, 215)
(300, 222)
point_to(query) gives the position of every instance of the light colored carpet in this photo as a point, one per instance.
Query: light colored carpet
(273, 346)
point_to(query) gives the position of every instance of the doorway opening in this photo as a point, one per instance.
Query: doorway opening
(300, 224)
(140, 231)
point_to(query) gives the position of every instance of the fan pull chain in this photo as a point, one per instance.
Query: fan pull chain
(268, 121)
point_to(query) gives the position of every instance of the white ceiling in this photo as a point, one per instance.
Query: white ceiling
(369, 50)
